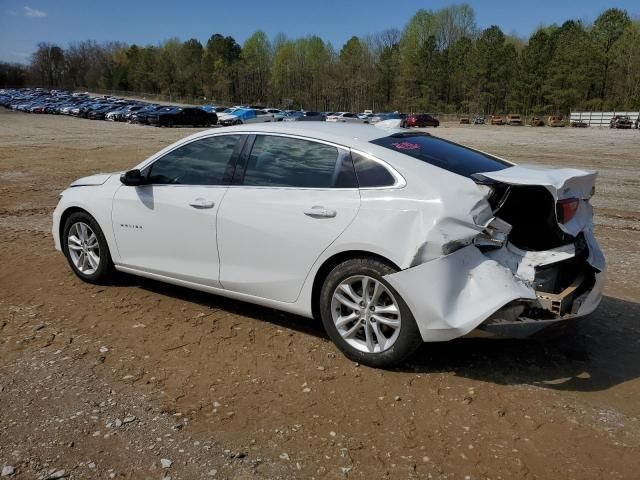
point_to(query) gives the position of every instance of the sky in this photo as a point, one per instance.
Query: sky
(24, 23)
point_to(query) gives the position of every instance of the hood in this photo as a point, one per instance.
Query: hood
(92, 180)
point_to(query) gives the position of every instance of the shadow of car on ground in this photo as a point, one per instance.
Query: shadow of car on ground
(588, 354)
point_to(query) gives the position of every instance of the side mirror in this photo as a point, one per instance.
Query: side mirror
(132, 178)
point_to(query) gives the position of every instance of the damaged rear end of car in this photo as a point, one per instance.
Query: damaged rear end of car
(546, 221)
(509, 254)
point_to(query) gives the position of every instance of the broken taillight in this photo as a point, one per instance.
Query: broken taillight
(566, 209)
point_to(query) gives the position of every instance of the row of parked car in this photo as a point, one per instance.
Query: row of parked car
(514, 119)
(84, 105)
(116, 109)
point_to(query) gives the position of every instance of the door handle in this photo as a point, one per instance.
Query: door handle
(318, 211)
(202, 203)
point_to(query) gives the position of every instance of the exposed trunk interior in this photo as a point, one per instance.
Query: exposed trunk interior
(559, 286)
(531, 212)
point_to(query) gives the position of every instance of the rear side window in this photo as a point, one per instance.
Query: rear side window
(370, 173)
(202, 162)
(442, 153)
(291, 162)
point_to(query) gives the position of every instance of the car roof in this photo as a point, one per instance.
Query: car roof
(349, 135)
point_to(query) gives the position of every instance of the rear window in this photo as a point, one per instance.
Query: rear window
(370, 173)
(442, 153)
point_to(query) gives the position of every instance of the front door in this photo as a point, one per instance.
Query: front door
(168, 225)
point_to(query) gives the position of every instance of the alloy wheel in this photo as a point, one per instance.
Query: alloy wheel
(366, 314)
(84, 249)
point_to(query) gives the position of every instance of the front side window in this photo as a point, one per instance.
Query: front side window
(202, 162)
(291, 162)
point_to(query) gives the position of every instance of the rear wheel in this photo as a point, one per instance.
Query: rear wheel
(86, 248)
(365, 317)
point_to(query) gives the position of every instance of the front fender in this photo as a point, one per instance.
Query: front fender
(97, 201)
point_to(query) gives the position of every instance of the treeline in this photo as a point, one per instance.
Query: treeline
(440, 62)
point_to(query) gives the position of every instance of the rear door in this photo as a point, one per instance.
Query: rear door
(291, 198)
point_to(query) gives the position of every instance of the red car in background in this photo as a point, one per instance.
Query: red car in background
(420, 120)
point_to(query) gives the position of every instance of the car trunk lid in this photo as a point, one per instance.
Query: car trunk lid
(569, 189)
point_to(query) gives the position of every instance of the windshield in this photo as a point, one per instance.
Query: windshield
(442, 153)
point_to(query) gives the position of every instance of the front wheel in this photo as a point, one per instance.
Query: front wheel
(364, 315)
(86, 249)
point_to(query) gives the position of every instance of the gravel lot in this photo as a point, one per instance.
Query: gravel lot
(145, 380)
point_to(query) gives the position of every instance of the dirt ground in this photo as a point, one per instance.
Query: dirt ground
(145, 380)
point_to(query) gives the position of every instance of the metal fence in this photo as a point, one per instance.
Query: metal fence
(600, 119)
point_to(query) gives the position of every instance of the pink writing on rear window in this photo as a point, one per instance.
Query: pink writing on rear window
(406, 146)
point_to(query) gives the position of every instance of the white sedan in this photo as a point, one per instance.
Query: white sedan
(391, 237)
(346, 117)
(240, 116)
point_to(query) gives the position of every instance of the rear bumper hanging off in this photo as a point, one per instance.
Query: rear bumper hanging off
(455, 294)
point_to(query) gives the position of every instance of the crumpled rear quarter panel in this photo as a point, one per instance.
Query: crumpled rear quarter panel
(453, 294)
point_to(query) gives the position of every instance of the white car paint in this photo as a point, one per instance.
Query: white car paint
(270, 250)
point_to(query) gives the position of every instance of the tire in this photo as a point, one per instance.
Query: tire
(103, 271)
(402, 342)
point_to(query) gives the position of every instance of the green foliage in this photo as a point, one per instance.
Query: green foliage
(440, 61)
(255, 67)
(12, 75)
